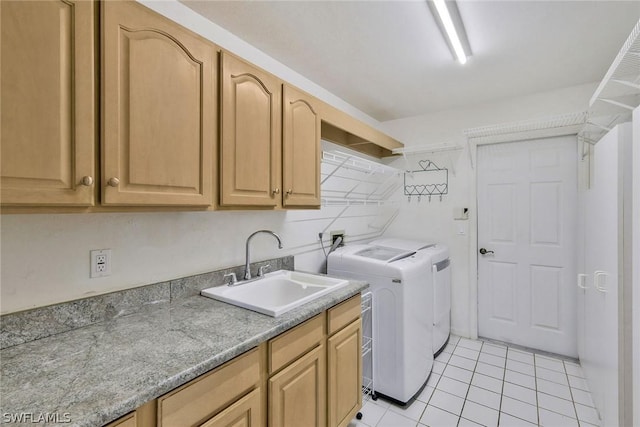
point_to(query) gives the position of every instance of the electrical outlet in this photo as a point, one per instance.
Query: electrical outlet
(335, 235)
(100, 263)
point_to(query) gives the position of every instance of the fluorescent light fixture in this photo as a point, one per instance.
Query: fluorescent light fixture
(448, 19)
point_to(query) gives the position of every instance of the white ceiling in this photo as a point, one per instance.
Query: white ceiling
(388, 58)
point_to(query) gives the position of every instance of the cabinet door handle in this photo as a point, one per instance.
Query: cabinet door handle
(597, 283)
(276, 191)
(86, 181)
(113, 182)
(582, 280)
(289, 191)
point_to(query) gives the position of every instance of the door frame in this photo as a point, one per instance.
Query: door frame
(628, 338)
(473, 224)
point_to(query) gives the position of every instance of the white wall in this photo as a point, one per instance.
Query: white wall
(45, 258)
(434, 221)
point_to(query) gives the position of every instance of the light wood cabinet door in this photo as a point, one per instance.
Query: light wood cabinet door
(129, 420)
(344, 379)
(159, 110)
(297, 394)
(243, 413)
(300, 149)
(47, 123)
(250, 146)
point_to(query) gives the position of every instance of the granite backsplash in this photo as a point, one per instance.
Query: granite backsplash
(30, 325)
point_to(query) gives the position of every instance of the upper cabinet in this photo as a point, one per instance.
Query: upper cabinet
(300, 149)
(170, 103)
(250, 147)
(48, 102)
(270, 140)
(159, 110)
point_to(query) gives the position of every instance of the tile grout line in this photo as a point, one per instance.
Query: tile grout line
(575, 410)
(436, 384)
(474, 371)
(469, 387)
(573, 403)
(535, 379)
(504, 379)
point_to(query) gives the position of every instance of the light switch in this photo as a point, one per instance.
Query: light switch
(461, 213)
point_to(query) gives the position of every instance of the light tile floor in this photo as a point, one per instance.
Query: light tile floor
(478, 383)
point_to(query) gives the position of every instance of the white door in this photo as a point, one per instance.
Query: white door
(602, 254)
(527, 197)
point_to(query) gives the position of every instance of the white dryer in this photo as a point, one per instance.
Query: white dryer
(402, 356)
(441, 278)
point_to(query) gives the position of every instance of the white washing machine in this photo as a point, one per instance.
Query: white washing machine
(441, 279)
(402, 356)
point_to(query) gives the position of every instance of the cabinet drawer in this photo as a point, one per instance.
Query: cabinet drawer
(343, 314)
(198, 400)
(287, 347)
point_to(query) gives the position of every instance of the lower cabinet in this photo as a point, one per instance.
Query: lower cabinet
(208, 398)
(344, 379)
(245, 412)
(129, 420)
(144, 416)
(308, 376)
(297, 394)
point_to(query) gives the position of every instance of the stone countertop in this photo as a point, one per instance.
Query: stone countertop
(96, 374)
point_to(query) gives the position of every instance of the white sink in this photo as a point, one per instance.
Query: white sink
(277, 292)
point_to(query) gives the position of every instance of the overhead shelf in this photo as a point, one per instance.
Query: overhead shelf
(618, 94)
(342, 129)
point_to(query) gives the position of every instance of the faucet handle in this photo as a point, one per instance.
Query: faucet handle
(262, 269)
(232, 279)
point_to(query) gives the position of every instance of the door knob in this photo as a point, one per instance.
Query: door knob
(483, 251)
(113, 182)
(86, 181)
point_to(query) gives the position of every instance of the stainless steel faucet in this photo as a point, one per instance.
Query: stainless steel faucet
(247, 271)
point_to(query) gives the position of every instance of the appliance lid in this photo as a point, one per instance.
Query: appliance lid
(382, 253)
(406, 244)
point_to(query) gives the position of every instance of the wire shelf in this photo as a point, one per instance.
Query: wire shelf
(368, 386)
(367, 389)
(618, 94)
(366, 345)
(428, 149)
(366, 303)
(564, 124)
(350, 161)
(348, 180)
